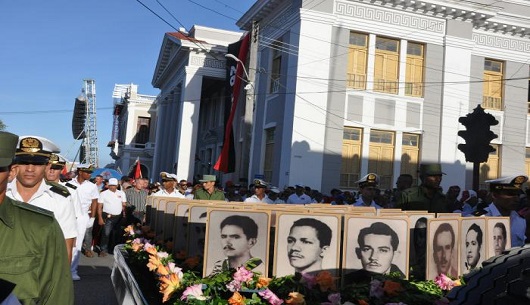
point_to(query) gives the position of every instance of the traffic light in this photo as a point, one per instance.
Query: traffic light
(477, 135)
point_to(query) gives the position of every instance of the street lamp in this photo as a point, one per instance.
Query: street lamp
(249, 83)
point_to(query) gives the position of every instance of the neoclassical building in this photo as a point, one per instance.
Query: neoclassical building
(348, 87)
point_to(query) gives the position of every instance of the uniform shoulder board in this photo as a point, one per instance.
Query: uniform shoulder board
(68, 184)
(59, 189)
(479, 213)
(31, 207)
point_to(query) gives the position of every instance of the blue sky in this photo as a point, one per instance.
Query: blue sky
(48, 47)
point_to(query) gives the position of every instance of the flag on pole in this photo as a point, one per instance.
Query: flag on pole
(138, 171)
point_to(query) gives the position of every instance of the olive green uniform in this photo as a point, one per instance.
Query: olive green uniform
(416, 199)
(33, 254)
(201, 194)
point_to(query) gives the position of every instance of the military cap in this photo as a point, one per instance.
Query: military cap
(35, 150)
(57, 161)
(275, 190)
(299, 185)
(85, 167)
(168, 177)
(431, 169)
(208, 178)
(260, 183)
(369, 180)
(8, 146)
(513, 183)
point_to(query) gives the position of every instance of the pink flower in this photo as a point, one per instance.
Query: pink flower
(333, 298)
(309, 279)
(193, 292)
(444, 282)
(270, 297)
(376, 289)
(234, 286)
(162, 254)
(174, 269)
(243, 275)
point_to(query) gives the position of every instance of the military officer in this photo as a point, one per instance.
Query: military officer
(505, 193)
(368, 187)
(427, 196)
(260, 187)
(32, 160)
(169, 182)
(208, 190)
(32, 249)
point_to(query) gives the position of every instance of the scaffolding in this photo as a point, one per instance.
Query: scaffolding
(90, 142)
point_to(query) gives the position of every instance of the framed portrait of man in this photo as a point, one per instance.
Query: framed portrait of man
(233, 237)
(197, 229)
(499, 235)
(180, 230)
(472, 243)
(374, 245)
(418, 243)
(306, 243)
(443, 247)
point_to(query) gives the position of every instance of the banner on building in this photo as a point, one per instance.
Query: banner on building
(226, 162)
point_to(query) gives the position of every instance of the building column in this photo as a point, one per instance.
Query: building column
(189, 125)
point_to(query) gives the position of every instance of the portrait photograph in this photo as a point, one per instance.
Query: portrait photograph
(418, 243)
(306, 243)
(180, 230)
(158, 224)
(233, 237)
(196, 229)
(498, 237)
(374, 245)
(443, 247)
(472, 243)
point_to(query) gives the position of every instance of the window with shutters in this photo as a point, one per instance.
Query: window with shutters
(386, 70)
(381, 158)
(490, 169)
(414, 69)
(142, 131)
(492, 89)
(351, 157)
(357, 60)
(276, 66)
(269, 153)
(410, 155)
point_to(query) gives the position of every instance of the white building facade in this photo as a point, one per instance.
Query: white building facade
(344, 88)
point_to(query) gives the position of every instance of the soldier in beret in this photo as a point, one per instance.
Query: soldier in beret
(505, 193)
(32, 159)
(427, 196)
(368, 185)
(32, 249)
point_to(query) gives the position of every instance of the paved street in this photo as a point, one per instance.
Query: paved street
(95, 286)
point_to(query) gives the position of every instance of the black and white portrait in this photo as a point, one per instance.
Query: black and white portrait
(306, 243)
(180, 231)
(418, 244)
(197, 229)
(234, 237)
(472, 243)
(442, 247)
(498, 237)
(375, 245)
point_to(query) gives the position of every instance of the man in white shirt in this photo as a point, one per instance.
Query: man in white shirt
(169, 182)
(368, 185)
(111, 207)
(32, 160)
(299, 197)
(259, 192)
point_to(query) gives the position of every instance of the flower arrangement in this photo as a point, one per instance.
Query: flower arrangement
(183, 285)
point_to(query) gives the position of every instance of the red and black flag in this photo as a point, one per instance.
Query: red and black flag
(226, 162)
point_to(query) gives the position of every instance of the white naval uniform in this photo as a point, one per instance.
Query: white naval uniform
(255, 198)
(517, 225)
(45, 198)
(360, 203)
(165, 193)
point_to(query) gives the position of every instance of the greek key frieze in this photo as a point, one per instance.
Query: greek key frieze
(207, 62)
(502, 42)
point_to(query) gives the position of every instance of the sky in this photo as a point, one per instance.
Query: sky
(47, 49)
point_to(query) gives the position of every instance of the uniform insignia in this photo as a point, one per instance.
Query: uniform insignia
(31, 207)
(479, 213)
(30, 145)
(59, 189)
(68, 184)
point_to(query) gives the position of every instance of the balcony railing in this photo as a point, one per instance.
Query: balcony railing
(356, 81)
(387, 86)
(490, 102)
(414, 89)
